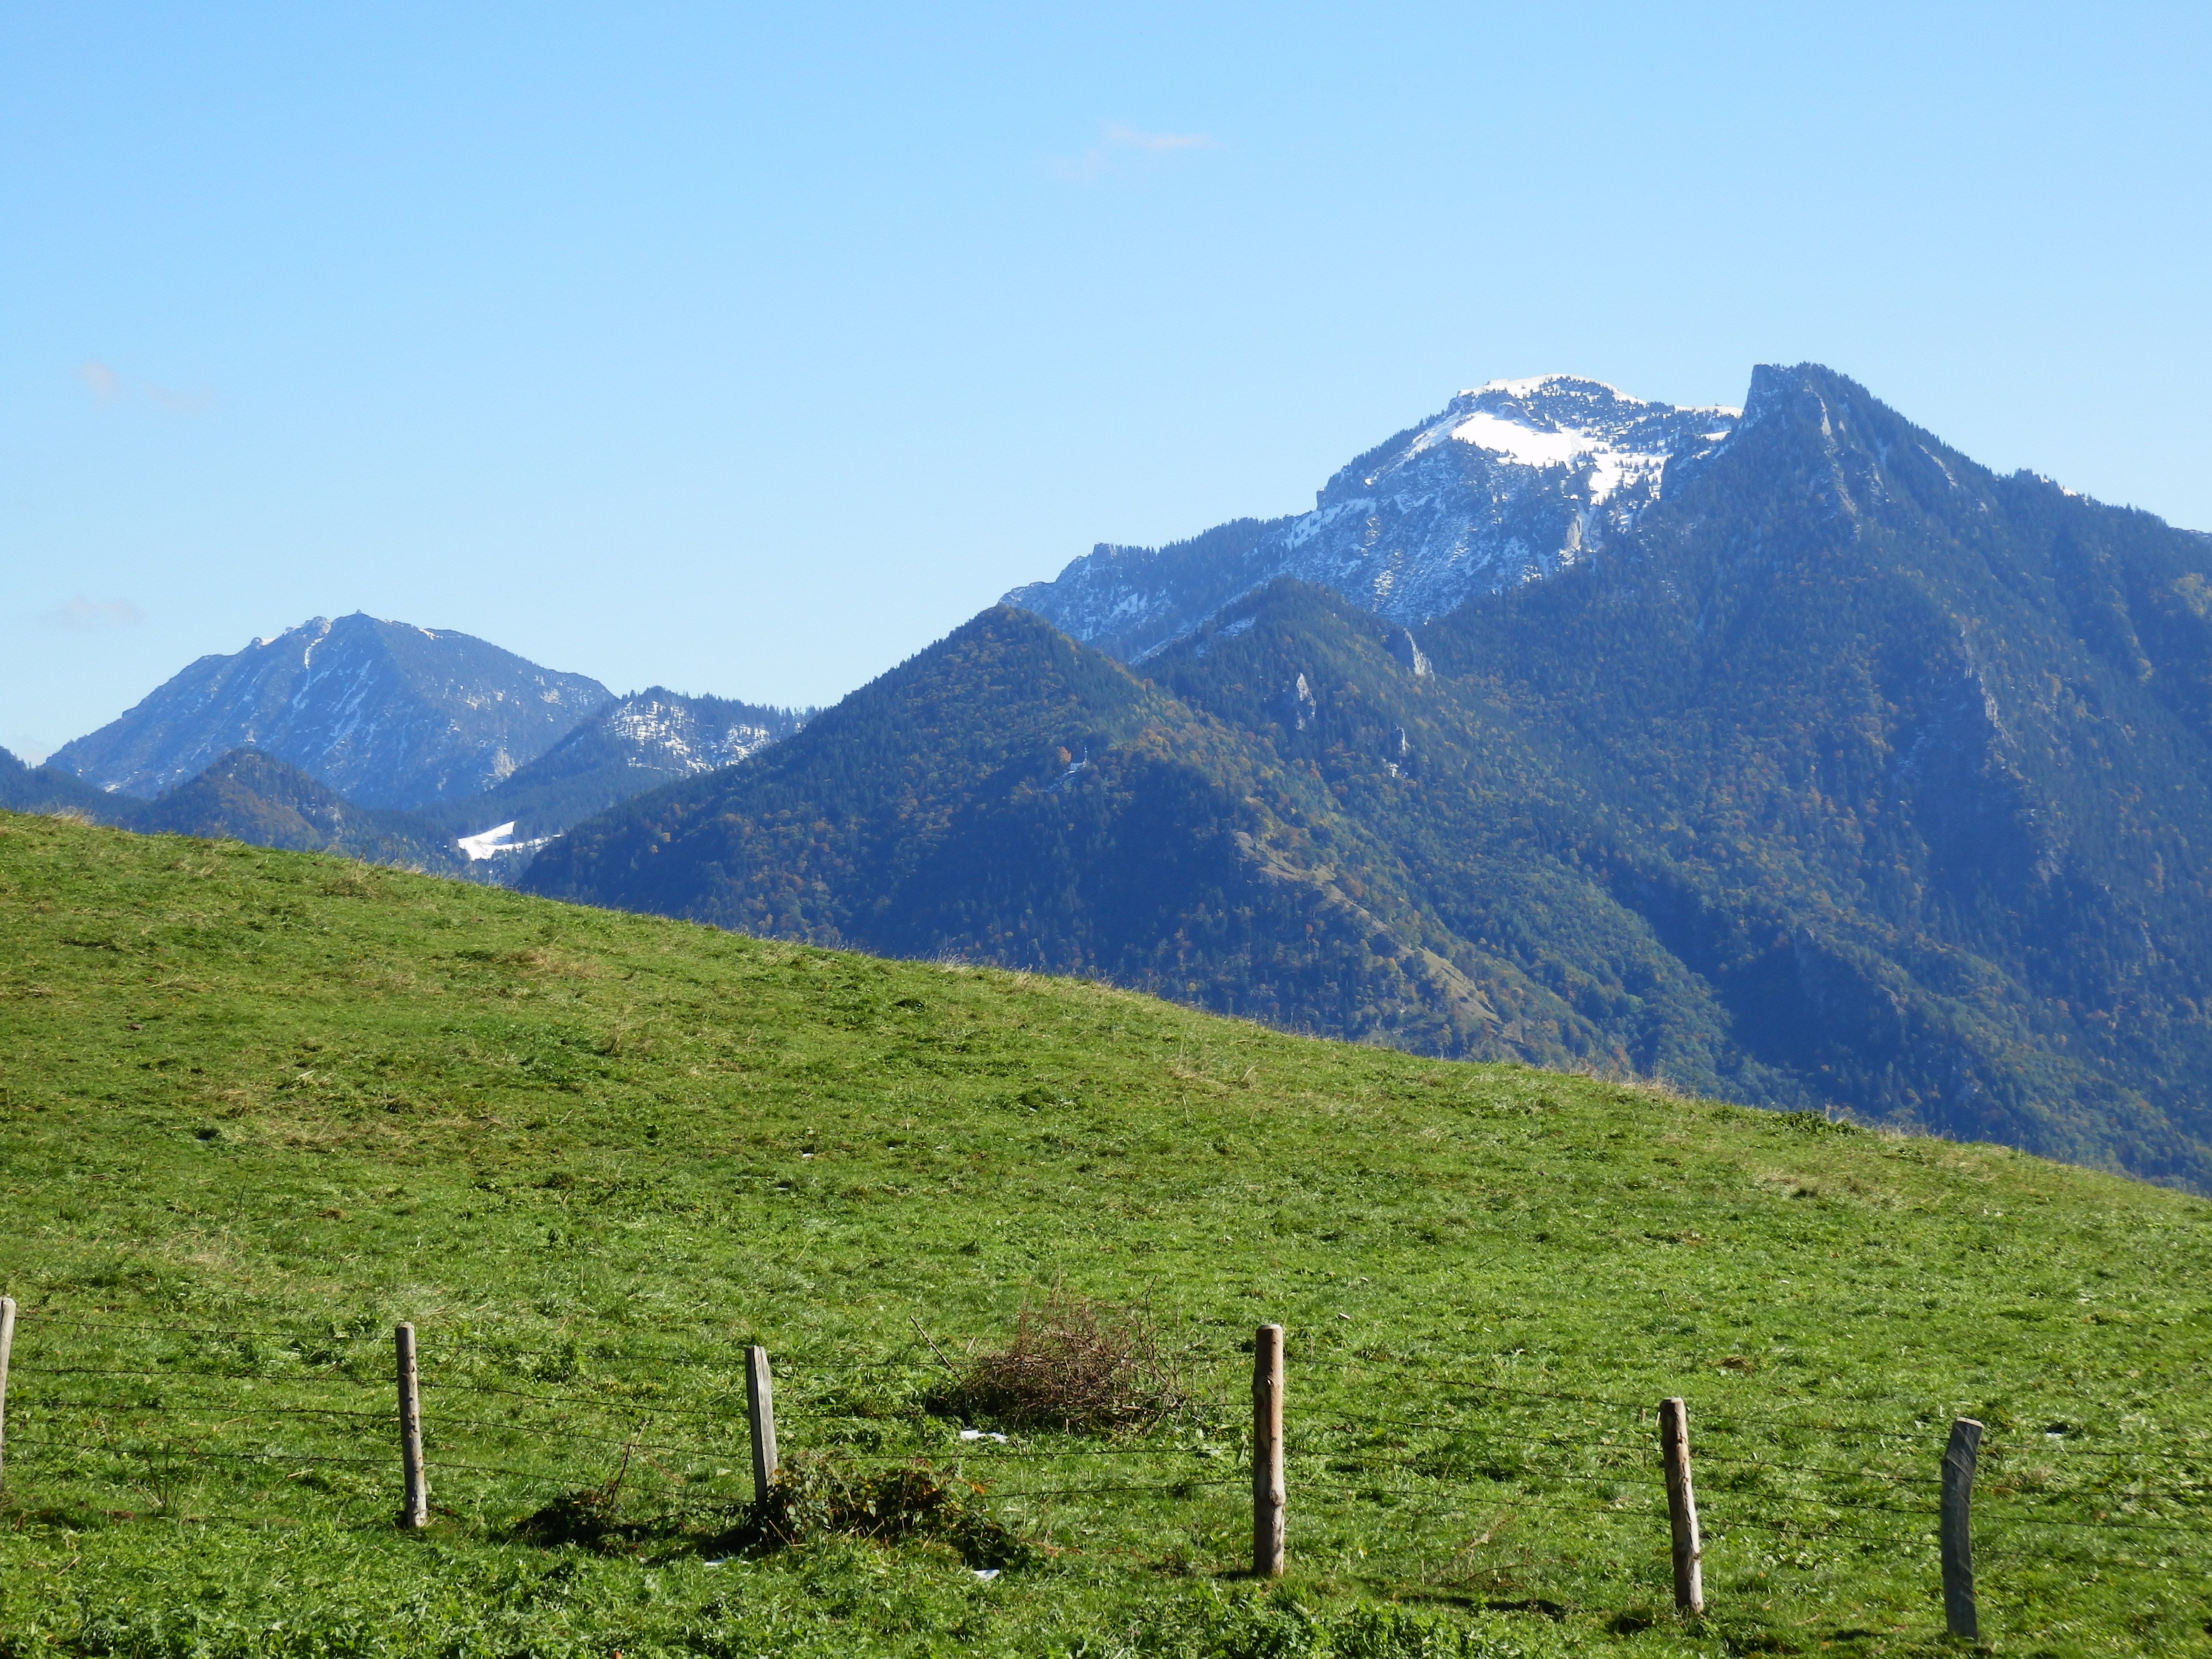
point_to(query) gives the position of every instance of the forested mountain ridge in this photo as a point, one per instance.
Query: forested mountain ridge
(1848, 774)
(250, 797)
(243, 796)
(1009, 795)
(45, 789)
(1940, 740)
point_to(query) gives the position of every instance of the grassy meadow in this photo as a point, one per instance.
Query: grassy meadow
(257, 1106)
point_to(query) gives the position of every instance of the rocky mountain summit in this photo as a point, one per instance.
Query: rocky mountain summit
(388, 714)
(1511, 481)
(634, 744)
(680, 736)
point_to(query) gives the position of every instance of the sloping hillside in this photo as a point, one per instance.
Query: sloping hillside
(258, 1105)
(1843, 772)
(1010, 796)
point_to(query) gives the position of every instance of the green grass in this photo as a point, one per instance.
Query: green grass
(254, 1107)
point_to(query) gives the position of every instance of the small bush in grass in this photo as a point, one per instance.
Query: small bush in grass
(585, 1517)
(813, 1498)
(817, 1498)
(1073, 1365)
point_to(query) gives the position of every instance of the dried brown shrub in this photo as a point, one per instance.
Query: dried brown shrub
(1074, 1364)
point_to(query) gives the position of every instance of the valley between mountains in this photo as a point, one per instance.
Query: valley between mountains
(1784, 755)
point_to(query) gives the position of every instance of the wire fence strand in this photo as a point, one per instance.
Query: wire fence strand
(1803, 1479)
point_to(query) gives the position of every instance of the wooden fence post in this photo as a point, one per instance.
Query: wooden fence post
(1958, 1459)
(415, 1509)
(6, 1341)
(760, 1410)
(1682, 1506)
(1268, 1496)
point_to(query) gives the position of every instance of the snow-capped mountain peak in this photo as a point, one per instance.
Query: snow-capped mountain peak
(1557, 420)
(1511, 482)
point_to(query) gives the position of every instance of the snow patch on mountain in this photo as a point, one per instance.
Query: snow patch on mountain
(487, 844)
(1511, 482)
(666, 732)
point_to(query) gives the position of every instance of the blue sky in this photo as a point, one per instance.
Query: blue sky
(748, 350)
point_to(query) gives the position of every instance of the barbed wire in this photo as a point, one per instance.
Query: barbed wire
(1081, 1492)
(1405, 1479)
(573, 1402)
(332, 1376)
(1718, 1531)
(186, 1454)
(120, 1406)
(45, 1317)
(1722, 1421)
(2061, 1450)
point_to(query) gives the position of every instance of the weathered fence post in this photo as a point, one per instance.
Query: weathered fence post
(6, 1341)
(1958, 1459)
(1268, 1497)
(1682, 1506)
(760, 1410)
(415, 1509)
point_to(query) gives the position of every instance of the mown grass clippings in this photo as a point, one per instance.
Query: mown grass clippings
(815, 1497)
(590, 1517)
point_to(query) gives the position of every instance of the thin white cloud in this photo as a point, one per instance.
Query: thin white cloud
(1155, 143)
(1122, 143)
(173, 402)
(107, 388)
(81, 615)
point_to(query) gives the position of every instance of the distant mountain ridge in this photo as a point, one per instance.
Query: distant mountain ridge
(243, 796)
(255, 798)
(45, 788)
(388, 714)
(1508, 483)
(1832, 770)
(384, 740)
(633, 744)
